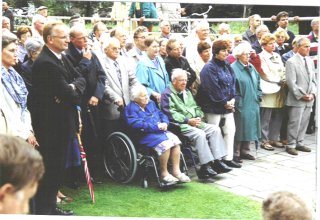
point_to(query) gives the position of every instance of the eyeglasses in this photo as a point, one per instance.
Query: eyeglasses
(82, 38)
(61, 37)
(182, 80)
(142, 37)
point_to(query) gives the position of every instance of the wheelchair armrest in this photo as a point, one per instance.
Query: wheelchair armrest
(174, 128)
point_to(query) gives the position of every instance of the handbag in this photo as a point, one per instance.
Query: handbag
(269, 87)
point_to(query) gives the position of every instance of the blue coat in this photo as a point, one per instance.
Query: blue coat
(154, 79)
(217, 86)
(147, 122)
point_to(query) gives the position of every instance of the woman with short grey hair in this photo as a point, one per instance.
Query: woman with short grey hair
(33, 47)
(248, 96)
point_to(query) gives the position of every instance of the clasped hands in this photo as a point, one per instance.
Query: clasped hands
(163, 126)
(230, 104)
(194, 122)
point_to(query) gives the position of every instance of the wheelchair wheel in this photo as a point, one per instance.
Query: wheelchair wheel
(120, 157)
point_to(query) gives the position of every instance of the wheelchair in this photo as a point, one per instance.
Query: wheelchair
(123, 157)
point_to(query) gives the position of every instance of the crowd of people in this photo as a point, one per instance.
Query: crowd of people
(223, 93)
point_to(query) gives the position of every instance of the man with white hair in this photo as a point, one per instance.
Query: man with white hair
(120, 80)
(165, 29)
(38, 23)
(202, 35)
(224, 28)
(122, 35)
(261, 30)
(250, 34)
(179, 105)
(5, 24)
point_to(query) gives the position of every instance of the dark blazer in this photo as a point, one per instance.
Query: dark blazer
(91, 70)
(54, 122)
(173, 63)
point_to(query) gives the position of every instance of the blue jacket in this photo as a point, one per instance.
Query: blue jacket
(217, 86)
(147, 122)
(152, 78)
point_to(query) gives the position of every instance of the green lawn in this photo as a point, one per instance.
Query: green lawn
(193, 200)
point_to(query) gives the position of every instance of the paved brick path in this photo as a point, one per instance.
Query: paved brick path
(273, 171)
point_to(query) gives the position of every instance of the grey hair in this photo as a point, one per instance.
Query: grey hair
(315, 21)
(78, 28)
(261, 27)
(4, 18)
(202, 24)
(299, 41)
(177, 72)
(108, 41)
(33, 45)
(8, 38)
(136, 91)
(162, 23)
(243, 47)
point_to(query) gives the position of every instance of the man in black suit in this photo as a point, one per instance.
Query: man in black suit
(88, 65)
(8, 13)
(57, 91)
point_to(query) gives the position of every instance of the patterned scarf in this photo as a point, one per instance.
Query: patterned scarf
(15, 86)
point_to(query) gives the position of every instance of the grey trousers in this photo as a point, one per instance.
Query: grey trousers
(270, 119)
(208, 141)
(297, 125)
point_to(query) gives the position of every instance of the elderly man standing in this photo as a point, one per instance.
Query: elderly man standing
(56, 92)
(250, 34)
(202, 35)
(180, 107)
(88, 65)
(301, 81)
(120, 80)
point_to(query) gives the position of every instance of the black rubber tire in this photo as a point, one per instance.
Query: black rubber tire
(120, 157)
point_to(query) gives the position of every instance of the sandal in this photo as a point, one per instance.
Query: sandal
(169, 179)
(65, 199)
(267, 146)
(183, 178)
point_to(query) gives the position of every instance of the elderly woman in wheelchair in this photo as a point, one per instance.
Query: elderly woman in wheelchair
(143, 115)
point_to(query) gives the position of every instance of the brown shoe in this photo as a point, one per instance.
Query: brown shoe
(277, 144)
(267, 146)
(291, 151)
(247, 157)
(303, 148)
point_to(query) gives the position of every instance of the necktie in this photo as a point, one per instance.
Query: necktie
(118, 71)
(306, 65)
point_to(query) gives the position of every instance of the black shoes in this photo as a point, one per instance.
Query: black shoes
(237, 159)
(73, 185)
(206, 172)
(220, 167)
(59, 211)
(231, 163)
(247, 157)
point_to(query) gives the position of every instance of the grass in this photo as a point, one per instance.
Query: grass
(193, 200)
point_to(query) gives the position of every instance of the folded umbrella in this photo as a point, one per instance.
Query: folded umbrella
(83, 156)
(86, 169)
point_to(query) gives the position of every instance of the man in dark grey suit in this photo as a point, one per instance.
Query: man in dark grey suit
(301, 81)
